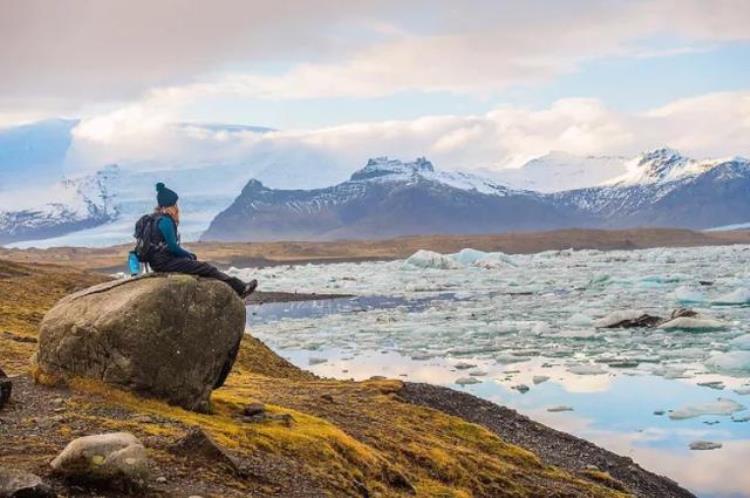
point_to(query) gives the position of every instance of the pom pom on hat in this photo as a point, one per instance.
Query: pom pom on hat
(165, 197)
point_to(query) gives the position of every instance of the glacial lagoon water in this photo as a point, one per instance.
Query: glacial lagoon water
(522, 331)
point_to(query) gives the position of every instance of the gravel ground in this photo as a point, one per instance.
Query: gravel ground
(552, 446)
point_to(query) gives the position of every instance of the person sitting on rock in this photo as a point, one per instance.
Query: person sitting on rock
(167, 254)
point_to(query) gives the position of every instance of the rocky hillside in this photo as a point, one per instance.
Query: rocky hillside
(274, 430)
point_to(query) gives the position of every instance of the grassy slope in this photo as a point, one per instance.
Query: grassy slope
(346, 436)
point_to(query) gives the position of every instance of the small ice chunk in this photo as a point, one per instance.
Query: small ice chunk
(587, 370)
(693, 324)
(477, 373)
(720, 407)
(431, 260)
(742, 391)
(462, 365)
(741, 342)
(741, 418)
(521, 388)
(580, 320)
(616, 317)
(671, 372)
(704, 445)
(465, 381)
(713, 384)
(737, 297)
(561, 408)
(733, 362)
(316, 361)
(538, 379)
(688, 295)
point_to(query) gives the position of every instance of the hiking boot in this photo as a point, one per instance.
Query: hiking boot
(249, 288)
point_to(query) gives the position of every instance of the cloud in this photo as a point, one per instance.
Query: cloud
(64, 55)
(141, 136)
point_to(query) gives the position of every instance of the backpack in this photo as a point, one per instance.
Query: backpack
(144, 236)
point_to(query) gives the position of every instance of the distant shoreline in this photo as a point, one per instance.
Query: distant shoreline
(263, 254)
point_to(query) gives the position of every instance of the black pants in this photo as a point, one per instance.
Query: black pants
(199, 268)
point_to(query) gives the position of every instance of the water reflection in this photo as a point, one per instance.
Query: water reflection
(615, 411)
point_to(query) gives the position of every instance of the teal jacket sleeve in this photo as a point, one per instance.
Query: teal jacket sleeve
(168, 231)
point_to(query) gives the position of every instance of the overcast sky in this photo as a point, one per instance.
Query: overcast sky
(469, 83)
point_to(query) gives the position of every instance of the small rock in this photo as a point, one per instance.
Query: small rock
(591, 466)
(161, 480)
(254, 409)
(19, 484)
(521, 388)
(659, 412)
(327, 397)
(377, 377)
(6, 387)
(143, 419)
(197, 443)
(705, 445)
(679, 312)
(110, 456)
(19, 338)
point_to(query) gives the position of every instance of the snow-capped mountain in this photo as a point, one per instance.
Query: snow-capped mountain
(387, 198)
(69, 205)
(560, 171)
(664, 188)
(663, 165)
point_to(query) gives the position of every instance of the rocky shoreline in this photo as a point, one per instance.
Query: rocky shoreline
(276, 430)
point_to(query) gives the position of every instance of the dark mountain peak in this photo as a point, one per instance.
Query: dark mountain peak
(393, 168)
(253, 185)
(658, 163)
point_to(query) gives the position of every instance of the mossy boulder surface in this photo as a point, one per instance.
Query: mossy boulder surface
(173, 337)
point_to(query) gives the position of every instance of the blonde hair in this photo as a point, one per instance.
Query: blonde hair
(172, 211)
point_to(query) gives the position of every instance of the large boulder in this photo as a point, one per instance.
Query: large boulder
(174, 337)
(117, 456)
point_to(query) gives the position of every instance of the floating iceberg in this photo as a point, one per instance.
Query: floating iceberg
(738, 297)
(693, 324)
(587, 370)
(688, 295)
(465, 381)
(431, 259)
(720, 407)
(463, 259)
(741, 342)
(705, 445)
(733, 362)
(579, 319)
(616, 317)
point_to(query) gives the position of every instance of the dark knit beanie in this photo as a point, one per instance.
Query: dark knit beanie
(165, 197)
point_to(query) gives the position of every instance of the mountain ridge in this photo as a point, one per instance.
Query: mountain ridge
(388, 197)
